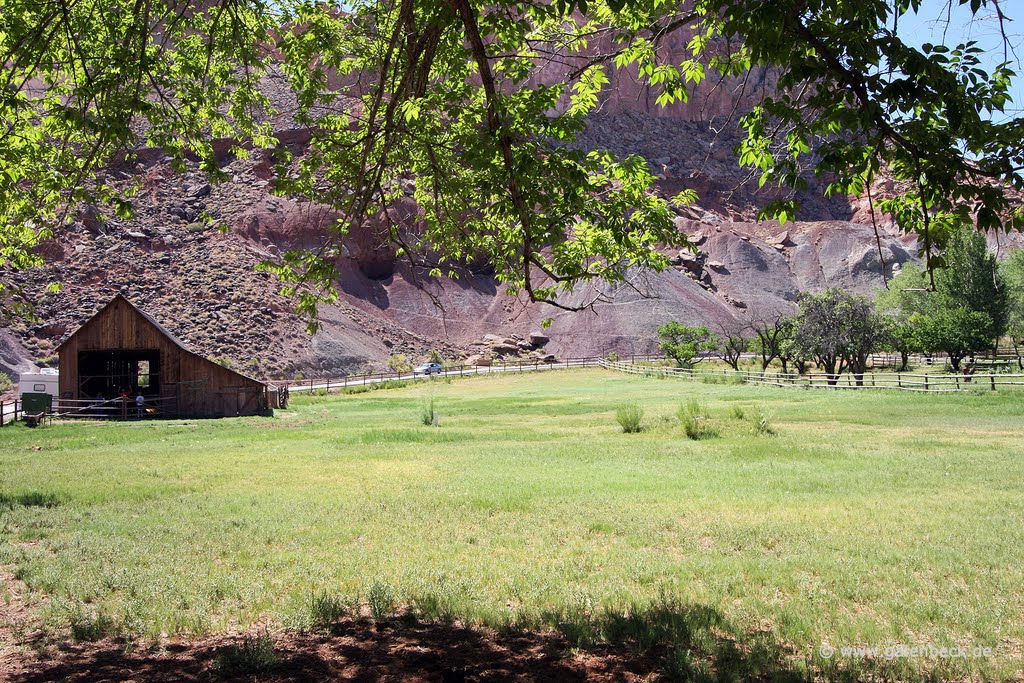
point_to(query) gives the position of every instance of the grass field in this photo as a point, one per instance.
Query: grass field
(869, 518)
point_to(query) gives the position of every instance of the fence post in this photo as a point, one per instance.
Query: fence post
(992, 378)
(899, 380)
(926, 381)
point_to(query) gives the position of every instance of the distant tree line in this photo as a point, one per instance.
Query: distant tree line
(975, 302)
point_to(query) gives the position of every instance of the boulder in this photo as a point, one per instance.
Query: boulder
(479, 360)
(505, 349)
(538, 338)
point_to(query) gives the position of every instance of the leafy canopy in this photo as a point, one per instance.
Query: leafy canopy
(444, 102)
(684, 344)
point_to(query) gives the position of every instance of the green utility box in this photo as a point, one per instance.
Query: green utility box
(33, 404)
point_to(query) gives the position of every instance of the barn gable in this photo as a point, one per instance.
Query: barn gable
(122, 349)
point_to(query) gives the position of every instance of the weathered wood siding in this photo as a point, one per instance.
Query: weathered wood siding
(199, 387)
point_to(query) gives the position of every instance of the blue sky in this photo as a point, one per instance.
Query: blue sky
(946, 22)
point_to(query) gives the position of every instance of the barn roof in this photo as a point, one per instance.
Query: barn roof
(151, 320)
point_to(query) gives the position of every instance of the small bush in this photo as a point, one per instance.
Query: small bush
(695, 420)
(630, 417)
(737, 412)
(612, 357)
(5, 383)
(90, 629)
(254, 654)
(763, 423)
(358, 389)
(427, 412)
(326, 609)
(400, 363)
(382, 601)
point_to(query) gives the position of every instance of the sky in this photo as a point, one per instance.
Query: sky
(939, 24)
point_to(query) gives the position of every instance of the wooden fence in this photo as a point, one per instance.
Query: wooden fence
(340, 383)
(118, 408)
(904, 381)
(10, 412)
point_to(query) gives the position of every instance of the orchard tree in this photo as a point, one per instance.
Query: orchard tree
(839, 331)
(684, 344)
(731, 347)
(954, 330)
(770, 334)
(445, 99)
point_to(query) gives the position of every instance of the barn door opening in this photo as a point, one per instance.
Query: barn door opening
(111, 373)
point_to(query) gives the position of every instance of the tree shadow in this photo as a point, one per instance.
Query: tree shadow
(666, 640)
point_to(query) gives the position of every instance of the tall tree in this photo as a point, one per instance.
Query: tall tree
(449, 96)
(970, 278)
(1013, 276)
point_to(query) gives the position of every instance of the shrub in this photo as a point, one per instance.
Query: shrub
(737, 412)
(254, 654)
(763, 423)
(91, 628)
(696, 422)
(5, 383)
(427, 412)
(326, 609)
(400, 363)
(612, 357)
(382, 601)
(630, 417)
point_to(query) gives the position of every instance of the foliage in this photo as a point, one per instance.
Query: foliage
(400, 363)
(684, 344)
(255, 654)
(1013, 276)
(434, 356)
(630, 417)
(381, 599)
(970, 278)
(838, 330)
(763, 423)
(696, 421)
(427, 412)
(737, 412)
(443, 103)
(6, 384)
(953, 330)
(326, 609)
(90, 629)
(970, 306)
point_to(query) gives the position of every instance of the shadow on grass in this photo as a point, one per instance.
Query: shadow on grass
(664, 641)
(30, 499)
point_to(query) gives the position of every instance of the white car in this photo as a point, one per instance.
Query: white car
(429, 369)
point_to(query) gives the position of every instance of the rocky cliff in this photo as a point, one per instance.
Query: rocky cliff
(189, 255)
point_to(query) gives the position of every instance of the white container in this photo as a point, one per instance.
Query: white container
(45, 381)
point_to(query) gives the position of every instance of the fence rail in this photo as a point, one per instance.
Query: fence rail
(10, 412)
(905, 381)
(340, 383)
(119, 408)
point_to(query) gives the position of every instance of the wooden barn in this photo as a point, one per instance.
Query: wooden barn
(122, 350)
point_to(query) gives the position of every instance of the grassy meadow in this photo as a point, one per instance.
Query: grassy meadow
(867, 518)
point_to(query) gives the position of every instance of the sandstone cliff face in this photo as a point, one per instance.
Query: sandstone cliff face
(189, 256)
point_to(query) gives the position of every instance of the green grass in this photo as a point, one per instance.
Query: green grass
(869, 518)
